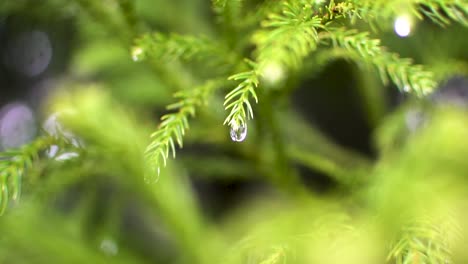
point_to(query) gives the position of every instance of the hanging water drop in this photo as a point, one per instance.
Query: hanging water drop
(238, 133)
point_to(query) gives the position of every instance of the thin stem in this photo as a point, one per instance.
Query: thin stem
(279, 169)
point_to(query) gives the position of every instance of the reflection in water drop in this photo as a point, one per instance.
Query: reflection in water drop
(109, 247)
(17, 125)
(52, 151)
(67, 156)
(53, 127)
(238, 133)
(29, 53)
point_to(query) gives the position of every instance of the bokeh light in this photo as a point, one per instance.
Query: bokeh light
(402, 26)
(28, 53)
(17, 125)
(273, 73)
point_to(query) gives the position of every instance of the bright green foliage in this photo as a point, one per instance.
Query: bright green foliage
(234, 60)
(238, 99)
(284, 40)
(292, 34)
(173, 125)
(165, 48)
(425, 242)
(288, 37)
(406, 76)
(220, 4)
(352, 10)
(439, 11)
(13, 165)
(228, 12)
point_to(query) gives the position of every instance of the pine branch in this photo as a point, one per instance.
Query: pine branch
(171, 47)
(260, 12)
(407, 76)
(101, 13)
(237, 101)
(424, 242)
(285, 39)
(219, 4)
(13, 164)
(442, 11)
(439, 11)
(277, 256)
(228, 11)
(174, 125)
(352, 10)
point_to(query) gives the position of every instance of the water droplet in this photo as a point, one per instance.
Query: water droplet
(238, 133)
(137, 53)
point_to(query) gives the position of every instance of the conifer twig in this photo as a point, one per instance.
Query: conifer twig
(402, 72)
(284, 40)
(228, 11)
(442, 11)
(238, 99)
(370, 11)
(180, 47)
(287, 37)
(425, 242)
(173, 126)
(13, 164)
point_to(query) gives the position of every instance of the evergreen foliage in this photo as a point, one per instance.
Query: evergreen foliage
(401, 71)
(167, 48)
(175, 124)
(121, 199)
(14, 164)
